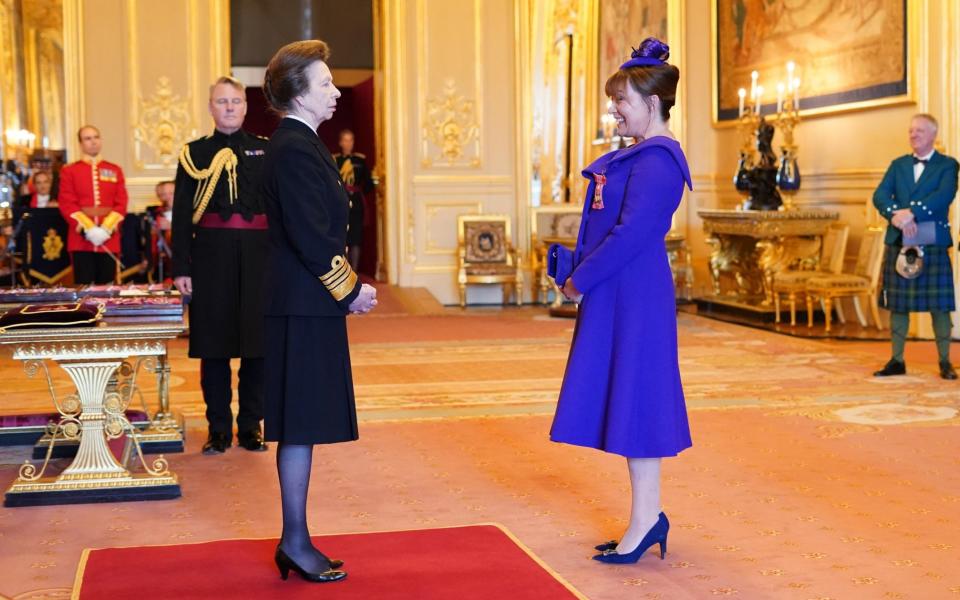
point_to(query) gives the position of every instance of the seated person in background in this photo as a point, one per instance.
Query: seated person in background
(162, 207)
(41, 196)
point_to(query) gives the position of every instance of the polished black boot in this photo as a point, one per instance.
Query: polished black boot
(894, 367)
(946, 370)
(251, 440)
(217, 443)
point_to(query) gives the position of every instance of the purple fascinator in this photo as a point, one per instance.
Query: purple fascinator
(651, 53)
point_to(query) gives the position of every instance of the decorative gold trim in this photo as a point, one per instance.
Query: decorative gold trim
(82, 220)
(111, 221)
(914, 13)
(47, 279)
(431, 209)
(340, 280)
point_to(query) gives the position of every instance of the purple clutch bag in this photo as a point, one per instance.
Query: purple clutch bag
(559, 263)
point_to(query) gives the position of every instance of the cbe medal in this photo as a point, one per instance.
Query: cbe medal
(599, 180)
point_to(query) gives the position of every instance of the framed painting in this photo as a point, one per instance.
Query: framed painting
(622, 25)
(847, 55)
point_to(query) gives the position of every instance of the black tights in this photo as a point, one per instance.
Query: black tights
(293, 466)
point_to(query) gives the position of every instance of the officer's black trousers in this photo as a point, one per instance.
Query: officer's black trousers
(93, 267)
(215, 382)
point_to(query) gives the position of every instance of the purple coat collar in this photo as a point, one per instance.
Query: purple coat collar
(670, 145)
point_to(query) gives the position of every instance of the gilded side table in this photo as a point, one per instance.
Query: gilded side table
(94, 415)
(751, 246)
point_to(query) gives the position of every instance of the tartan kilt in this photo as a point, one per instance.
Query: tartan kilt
(931, 291)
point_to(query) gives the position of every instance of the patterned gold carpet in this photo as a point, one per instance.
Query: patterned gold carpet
(808, 477)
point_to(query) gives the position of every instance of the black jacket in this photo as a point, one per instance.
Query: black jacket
(307, 206)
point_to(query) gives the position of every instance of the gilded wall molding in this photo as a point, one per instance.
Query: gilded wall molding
(431, 209)
(163, 126)
(450, 128)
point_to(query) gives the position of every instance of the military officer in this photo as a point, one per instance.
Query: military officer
(93, 200)
(918, 189)
(357, 181)
(219, 239)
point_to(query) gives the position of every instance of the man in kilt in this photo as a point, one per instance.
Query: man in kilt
(918, 188)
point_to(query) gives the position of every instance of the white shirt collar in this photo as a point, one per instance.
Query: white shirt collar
(304, 121)
(927, 157)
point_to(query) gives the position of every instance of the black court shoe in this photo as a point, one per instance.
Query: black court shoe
(894, 367)
(285, 564)
(217, 443)
(946, 370)
(251, 440)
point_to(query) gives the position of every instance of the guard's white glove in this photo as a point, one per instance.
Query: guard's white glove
(97, 235)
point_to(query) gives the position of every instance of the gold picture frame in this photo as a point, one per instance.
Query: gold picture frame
(890, 21)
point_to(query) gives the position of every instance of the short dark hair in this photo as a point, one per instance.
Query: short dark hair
(165, 182)
(46, 174)
(654, 80)
(286, 74)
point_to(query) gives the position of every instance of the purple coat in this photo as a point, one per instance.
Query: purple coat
(621, 391)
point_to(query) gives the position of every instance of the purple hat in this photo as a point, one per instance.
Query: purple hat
(652, 53)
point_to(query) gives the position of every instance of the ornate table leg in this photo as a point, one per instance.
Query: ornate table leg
(94, 475)
(166, 432)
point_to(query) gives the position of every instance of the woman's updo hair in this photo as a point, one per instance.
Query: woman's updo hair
(286, 74)
(648, 74)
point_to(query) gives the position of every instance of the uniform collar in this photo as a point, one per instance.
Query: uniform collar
(304, 121)
(217, 134)
(91, 160)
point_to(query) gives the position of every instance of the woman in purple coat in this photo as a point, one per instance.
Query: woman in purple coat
(621, 391)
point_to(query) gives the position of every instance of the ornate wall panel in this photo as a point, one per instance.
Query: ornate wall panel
(143, 69)
(451, 132)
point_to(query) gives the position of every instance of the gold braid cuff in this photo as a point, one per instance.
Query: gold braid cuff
(340, 280)
(111, 221)
(209, 177)
(83, 221)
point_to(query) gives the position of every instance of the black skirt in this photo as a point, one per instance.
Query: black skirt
(308, 385)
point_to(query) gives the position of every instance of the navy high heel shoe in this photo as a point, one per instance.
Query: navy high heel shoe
(612, 544)
(656, 535)
(286, 564)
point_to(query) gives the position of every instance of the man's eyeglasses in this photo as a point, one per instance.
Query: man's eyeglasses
(226, 101)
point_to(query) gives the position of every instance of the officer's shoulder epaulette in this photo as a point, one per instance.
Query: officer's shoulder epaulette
(263, 137)
(360, 155)
(337, 155)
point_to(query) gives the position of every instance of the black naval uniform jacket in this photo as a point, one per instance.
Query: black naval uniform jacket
(307, 207)
(362, 184)
(226, 265)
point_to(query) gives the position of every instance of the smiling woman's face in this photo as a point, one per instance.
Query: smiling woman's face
(632, 112)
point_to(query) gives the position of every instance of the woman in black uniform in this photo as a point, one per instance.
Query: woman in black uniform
(310, 288)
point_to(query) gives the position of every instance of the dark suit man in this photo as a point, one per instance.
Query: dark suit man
(918, 188)
(219, 239)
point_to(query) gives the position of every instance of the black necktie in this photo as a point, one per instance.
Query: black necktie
(921, 160)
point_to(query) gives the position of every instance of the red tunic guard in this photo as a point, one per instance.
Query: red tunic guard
(92, 193)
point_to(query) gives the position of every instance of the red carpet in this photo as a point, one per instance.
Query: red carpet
(480, 562)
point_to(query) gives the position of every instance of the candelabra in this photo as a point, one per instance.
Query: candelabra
(760, 178)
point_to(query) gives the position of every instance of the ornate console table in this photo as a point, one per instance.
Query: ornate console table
(91, 356)
(750, 246)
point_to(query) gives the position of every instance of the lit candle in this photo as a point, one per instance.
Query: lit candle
(742, 93)
(46, 142)
(780, 97)
(756, 102)
(790, 67)
(796, 94)
(753, 84)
